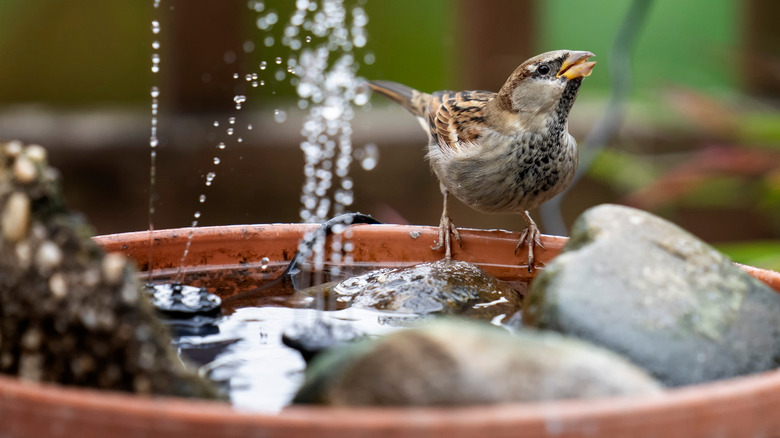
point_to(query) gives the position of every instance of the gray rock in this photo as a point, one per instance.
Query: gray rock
(445, 287)
(460, 362)
(645, 288)
(70, 314)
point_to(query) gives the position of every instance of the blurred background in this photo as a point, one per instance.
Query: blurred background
(698, 142)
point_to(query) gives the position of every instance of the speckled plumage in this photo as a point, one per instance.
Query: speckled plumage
(504, 152)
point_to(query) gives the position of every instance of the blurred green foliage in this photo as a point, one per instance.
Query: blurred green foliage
(80, 51)
(685, 42)
(68, 52)
(623, 170)
(763, 254)
(761, 128)
(413, 42)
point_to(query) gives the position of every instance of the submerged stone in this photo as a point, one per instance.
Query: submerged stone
(311, 339)
(445, 287)
(643, 287)
(461, 362)
(70, 314)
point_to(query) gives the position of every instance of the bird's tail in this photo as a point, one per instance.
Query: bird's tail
(414, 101)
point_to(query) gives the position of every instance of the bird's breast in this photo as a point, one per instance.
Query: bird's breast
(507, 174)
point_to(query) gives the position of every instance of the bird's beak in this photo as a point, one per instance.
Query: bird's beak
(575, 66)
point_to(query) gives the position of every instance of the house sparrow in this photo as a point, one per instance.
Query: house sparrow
(505, 152)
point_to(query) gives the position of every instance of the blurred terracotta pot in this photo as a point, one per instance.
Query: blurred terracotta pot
(739, 407)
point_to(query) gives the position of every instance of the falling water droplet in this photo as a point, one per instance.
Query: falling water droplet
(196, 215)
(263, 65)
(370, 157)
(250, 127)
(155, 27)
(216, 123)
(235, 75)
(202, 199)
(278, 60)
(229, 131)
(221, 145)
(232, 120)
(264, 263)
(216, 161)
(210, 178)
(239, 99)
(280, 116)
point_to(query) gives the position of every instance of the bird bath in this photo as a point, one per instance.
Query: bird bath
(230, 259)
(736, 407)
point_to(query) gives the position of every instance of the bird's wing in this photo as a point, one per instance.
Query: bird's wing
(457, 118)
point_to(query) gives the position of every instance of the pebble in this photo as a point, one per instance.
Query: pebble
(58, 285)
(48, 256)
(113, 267)
(24, 170)
(36, 153)
(16, 217)
(13, 148)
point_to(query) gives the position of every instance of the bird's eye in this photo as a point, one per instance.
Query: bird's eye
(543, 69)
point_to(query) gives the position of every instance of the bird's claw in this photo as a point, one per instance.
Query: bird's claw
(530, 237)
(455, 234)
(447, 230)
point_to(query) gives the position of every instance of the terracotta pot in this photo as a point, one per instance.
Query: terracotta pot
(745, 406)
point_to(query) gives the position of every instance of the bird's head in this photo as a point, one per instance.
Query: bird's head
(544, 86)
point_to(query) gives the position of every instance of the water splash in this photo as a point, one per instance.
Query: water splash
(322, 36)
(329, 86)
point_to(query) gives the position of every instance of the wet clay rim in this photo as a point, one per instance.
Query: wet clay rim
(744, 406)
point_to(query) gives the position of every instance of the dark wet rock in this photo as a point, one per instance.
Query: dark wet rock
(176, 300)
(645, 288)
(69, 313)
(461, 362)
(439, 288)
(313, 338)
(186, 310)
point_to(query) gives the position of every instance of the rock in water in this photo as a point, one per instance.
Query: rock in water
(445, 287)
(643, 287)
(460, 362)
(70, 314)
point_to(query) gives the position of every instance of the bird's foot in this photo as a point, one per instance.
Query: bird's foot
(447, 230)
(530, 237)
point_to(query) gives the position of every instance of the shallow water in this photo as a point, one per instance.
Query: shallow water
(243, 351)
(247, 355)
